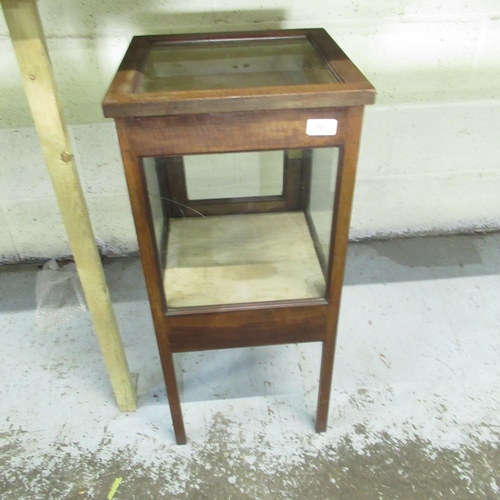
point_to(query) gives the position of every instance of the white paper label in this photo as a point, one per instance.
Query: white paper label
(321, 126)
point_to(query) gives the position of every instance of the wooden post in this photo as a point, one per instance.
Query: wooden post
(28, 38)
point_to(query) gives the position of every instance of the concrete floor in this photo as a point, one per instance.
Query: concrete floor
(415, 407)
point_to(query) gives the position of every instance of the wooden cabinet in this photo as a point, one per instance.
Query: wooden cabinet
(240, 153)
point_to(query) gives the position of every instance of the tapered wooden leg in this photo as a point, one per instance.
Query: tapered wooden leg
(154, 283)
(173, 397)
(340, 233)
(325, 385)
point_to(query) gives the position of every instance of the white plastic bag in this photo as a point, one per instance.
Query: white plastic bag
(59, 296)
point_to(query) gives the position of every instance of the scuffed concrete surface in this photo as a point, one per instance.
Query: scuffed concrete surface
(414, 412)
(221, 469)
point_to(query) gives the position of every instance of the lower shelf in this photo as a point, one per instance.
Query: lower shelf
(236, 259)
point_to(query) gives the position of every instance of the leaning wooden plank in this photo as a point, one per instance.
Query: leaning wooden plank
(36, 69)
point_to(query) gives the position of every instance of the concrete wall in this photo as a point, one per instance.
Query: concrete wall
(430, 159)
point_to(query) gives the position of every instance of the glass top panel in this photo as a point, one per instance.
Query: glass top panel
(233, 64)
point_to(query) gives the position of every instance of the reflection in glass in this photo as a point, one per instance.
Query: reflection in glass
(233, 64)
(238, 247)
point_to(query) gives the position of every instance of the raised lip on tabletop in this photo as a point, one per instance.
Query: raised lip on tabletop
(121, 100)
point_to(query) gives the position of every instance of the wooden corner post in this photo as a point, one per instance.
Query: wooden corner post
(28, 38)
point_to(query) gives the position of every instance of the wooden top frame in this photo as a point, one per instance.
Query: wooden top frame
(123, 100)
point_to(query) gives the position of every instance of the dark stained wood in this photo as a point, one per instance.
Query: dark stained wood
(283, 325)
(161, 175)
(292, 179)
(182, 206)
(246, 306)
(338, 249)
(152, 272)
(340, 64)
(305, 187)
(228, 206)
(122, 100)
(171, 125)
(174, 190)
(225, 36)
(223, 132)
(130, 69)
(217, 101)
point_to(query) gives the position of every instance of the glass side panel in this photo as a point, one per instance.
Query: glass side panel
(319, 210)
(233, 251)
(160, 218)
(234, 175)
(230, 64)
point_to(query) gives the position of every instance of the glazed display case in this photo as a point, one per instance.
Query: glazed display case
(240, 153)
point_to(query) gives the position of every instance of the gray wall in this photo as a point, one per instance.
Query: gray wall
(430, 154)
